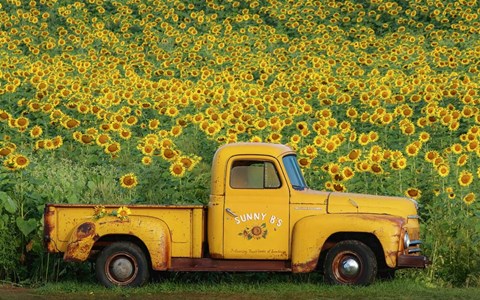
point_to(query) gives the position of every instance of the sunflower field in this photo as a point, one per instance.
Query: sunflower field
(126, 101)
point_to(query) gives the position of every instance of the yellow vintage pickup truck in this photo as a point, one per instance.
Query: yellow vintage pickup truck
(261, 216)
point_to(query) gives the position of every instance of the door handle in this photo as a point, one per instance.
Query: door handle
(230, 212)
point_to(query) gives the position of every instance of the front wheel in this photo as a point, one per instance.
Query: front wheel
(350, 263)
(122, 264)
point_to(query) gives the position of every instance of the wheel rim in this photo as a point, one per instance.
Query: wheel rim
(347, 267)
(121, 268)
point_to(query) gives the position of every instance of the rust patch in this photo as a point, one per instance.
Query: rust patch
(391, 258)
(77, 251)
(48, 229)
(305, 267)
(161, 261)
(85, 230)
(372, 217)
(216, 255)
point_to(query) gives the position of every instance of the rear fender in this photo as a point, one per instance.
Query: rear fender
(311, 233)
(153, 232)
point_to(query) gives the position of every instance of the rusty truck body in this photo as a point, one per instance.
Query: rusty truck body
(261, 216)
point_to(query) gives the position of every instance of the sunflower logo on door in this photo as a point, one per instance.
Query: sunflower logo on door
(255, 232)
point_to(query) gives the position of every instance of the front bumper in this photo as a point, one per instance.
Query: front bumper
(413, 261)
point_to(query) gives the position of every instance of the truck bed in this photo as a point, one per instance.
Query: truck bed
(185, 223)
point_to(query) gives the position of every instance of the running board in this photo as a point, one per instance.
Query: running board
(228, 265)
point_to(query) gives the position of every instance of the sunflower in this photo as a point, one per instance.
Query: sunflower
(431, 155)
(412, 149)
(304, 162)
(443, 170)
(112, 148)
(310, 151)
(338, 187)
(36, 131)
(354, 154)
(86, 139)
(153, 124)
(99, 211)
(147, 150)
(128, 181)
(102, 139)
(462, 160)
(274, 137)
(363, 139)
(70, 123)
(469, 198)
(413, 193)
(256, 139)
(332, 169)
(177, 169)
(376, 169)
(176, 130)
(362, 166)
(330, 146)
(408, 129)
(16, 162)
(456, 148)
(125, 134)
(146, 160)
(399, 164)
(4, 116)
(5, 151)
(169, 154)
(295, 138)
(473, 146)
(123, 212)
(465, 178)
(22, 122)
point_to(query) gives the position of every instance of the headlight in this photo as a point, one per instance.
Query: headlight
(406, 240)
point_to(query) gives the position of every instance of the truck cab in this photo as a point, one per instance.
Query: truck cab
(261, 208)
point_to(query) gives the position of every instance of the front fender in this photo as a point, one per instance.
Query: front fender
(310, 234)
(153, 232)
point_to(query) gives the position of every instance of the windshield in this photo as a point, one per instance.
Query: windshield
(294, 173)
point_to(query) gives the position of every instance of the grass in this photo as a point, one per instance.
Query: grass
(256, 286)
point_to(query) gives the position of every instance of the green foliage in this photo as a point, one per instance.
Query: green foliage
(452, 236)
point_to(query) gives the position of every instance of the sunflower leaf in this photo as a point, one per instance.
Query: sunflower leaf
(8, 203)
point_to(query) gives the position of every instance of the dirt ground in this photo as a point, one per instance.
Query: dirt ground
(11, 292)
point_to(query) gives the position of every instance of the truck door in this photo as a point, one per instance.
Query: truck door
(256, 216)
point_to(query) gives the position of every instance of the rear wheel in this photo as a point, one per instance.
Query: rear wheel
(350, 263)
(122, 264)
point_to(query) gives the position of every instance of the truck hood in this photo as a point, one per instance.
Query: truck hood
(351, 203)
(342, 203)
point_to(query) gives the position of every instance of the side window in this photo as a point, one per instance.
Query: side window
(248, 174)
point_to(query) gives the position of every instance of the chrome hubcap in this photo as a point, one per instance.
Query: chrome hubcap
(122, 269)
(349, 267)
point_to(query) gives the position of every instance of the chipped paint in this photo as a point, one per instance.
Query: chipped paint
(85, 230)
(49, 229)
(306, 267)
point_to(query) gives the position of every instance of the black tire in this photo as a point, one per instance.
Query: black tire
(122, 264)
(350, 263)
